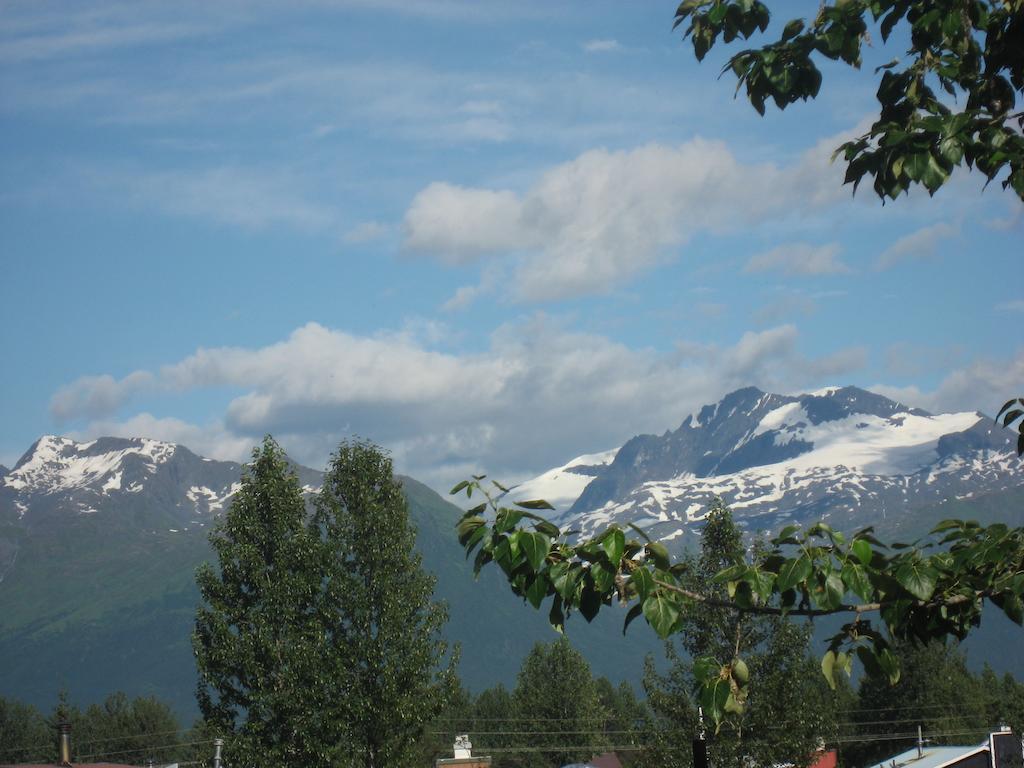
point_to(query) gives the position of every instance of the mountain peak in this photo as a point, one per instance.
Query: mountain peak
(768, 446)
(55, 462)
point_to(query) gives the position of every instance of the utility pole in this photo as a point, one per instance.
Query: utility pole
(700, 746)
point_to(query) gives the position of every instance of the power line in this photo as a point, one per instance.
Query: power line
(149, 748)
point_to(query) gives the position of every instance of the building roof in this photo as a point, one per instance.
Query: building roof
(931, 757)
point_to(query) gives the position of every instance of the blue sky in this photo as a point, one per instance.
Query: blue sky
(489, 236)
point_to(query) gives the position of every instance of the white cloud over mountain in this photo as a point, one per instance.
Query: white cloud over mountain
(538, 393)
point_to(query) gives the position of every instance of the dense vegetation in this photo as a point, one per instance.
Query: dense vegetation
(318, 642)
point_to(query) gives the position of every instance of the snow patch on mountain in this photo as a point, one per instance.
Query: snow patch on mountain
(562, 485)
(57, 464)
(774, 459)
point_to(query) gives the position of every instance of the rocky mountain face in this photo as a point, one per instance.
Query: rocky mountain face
(99, 542)
(844, 454)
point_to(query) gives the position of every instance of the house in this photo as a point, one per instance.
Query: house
(1002, 749)
(64, 750)
(463, 758)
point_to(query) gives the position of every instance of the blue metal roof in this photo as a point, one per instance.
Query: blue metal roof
(932, 757)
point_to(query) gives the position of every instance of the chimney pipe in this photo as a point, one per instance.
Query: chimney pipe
(64, 743)
(920, 743)
(217, 744)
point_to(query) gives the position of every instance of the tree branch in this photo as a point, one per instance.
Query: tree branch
(812, 612)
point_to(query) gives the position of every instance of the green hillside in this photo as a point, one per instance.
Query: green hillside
(96, 608)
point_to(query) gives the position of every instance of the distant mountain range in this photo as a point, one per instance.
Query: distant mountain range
(99, 540)
(844, 454)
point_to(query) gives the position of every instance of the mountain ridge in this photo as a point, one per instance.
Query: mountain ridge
(840, 452)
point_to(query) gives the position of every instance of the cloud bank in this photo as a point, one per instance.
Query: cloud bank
(540, 394)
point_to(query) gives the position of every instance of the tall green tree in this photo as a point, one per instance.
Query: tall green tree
(376, 613)
(258, 636)
(557, 702)
(782, 707)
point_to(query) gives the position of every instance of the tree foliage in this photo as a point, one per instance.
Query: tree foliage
(949, 101)
(783, 707)
(118, 729)
(557, 698)
(317, 642)
(930, 589)
(378, 612)
(263, 673)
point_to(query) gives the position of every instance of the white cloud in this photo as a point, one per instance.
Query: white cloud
(588, 224)
(919, 245)
(211, 440)
(799, 259)
(1017, 305)
(602, 46)
(459, 224)
(540, 393)
(982, 385)
(92, 396)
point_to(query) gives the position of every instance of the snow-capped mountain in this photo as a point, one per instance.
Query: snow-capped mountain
(841, 453)
(58, 476)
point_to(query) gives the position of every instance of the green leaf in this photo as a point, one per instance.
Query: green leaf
(706, 668)
(548, 529)
(506, 519)
(634, 611)
(458, 487)
(856, 579)
(640, 532)
(917, 578)
(659, 554)
(661, 613)
(828, 662)
(613, 542)
(467, 526)
(533, 504)
(862, 551)
(786, 535)
(534, 547)
(793, 572)
(556, 616)
(643, 582)
(537, 590)
(792, 29)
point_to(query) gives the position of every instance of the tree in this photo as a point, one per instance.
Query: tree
(25, 735)
(627, 719)
(787, 709)
(126, 730)
(951, 101)
(936, 691)
(493, 723)
(556, 698)
(917, 595)
(376, 612)
(258, 636)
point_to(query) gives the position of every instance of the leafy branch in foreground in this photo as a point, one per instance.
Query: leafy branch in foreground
(950, 100)
(1011, 412)
(930, 589)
